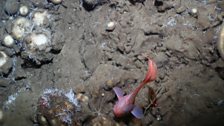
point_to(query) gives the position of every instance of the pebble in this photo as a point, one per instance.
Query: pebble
(42, 120)
(5, 63)
(11, 7)
(4, 83)
(180, 9)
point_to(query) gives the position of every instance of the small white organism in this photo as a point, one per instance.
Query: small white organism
(110, 26)
(21, 27)
(23, 10)
(8, 41)
(194, 12)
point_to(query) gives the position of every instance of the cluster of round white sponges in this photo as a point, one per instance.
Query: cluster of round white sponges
(23, 30)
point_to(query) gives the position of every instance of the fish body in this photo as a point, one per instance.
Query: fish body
(125, 103)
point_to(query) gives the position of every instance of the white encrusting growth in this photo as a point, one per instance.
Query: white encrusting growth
(38, 41)
(3, 58)
(40, 17)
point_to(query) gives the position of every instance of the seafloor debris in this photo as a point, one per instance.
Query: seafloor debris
(57, 107)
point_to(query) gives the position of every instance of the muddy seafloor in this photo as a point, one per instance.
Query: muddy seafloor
(91, 60)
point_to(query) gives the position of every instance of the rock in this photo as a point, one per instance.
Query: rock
(11, 7)
(174, 43)
(90, 2)
(160, 59)
(180, 9)
(102, 121)
(92, 57)
(56, 107)
(203, 20)
(5, 63)
(220, 4)
(39, 3)
(105, 72)
(4, 83)
(220, 71)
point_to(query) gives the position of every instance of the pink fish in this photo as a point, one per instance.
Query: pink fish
(125, 104)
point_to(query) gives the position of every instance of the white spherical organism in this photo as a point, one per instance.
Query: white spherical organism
(56, 1)
(41, 17)
(194, 12)
(21, 27)
(8, 41)
(23, 10)
(3, 58)
(38, 41)
(110, 26)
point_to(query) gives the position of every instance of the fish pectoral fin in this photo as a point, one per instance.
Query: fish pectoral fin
(118, 92)
(137, 112)
(129, 107)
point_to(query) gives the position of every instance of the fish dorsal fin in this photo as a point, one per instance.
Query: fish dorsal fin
(137, 112)
(119, 93)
